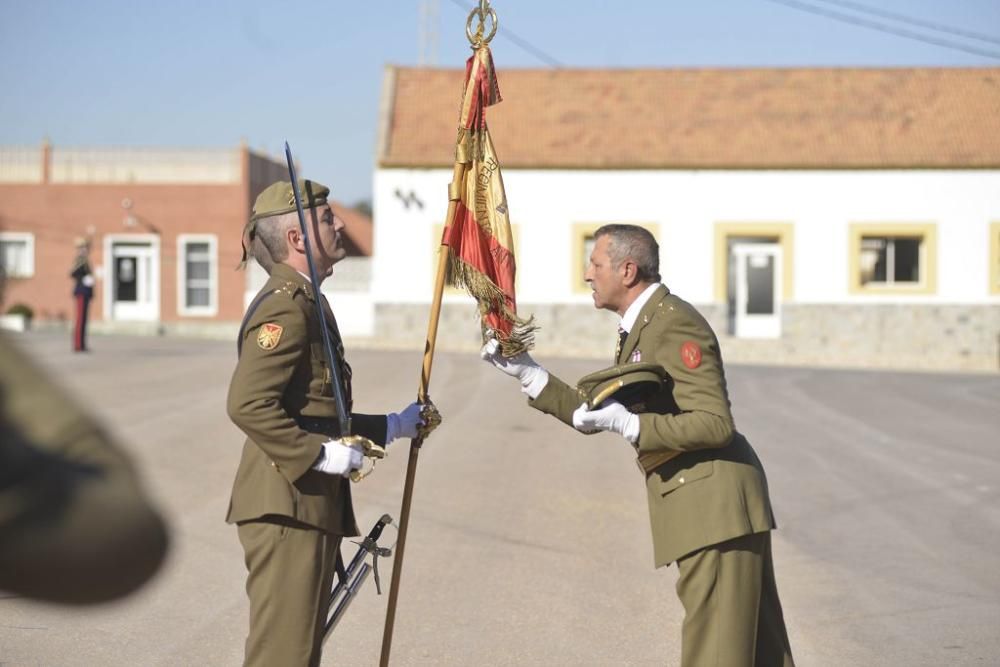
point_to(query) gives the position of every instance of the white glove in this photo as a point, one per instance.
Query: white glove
(533, 377)
(403, 424)
(88, 280)
(338, 458)
(609, 416)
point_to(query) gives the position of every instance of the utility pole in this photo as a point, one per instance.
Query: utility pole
(428, 33)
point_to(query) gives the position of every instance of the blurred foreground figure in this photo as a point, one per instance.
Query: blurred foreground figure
(75, 525)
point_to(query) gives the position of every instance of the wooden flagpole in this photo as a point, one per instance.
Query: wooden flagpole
(411, 466)
(477, 39)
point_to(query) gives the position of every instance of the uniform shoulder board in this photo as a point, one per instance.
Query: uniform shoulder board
(288, 289)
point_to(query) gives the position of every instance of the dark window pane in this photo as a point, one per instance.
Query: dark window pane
(197, 296)
(907, 265)
(197, 270)
(760, 285)
(125, 288)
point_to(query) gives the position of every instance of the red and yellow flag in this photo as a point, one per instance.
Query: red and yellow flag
(480, 246)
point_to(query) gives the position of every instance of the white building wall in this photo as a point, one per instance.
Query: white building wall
(686, 205)
(347, 289)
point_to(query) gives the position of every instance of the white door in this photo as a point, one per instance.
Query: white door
(758, 299)
(134, 277)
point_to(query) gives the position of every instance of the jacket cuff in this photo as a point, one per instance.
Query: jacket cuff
(537, 383)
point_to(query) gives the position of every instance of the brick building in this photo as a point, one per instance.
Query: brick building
(165, 227)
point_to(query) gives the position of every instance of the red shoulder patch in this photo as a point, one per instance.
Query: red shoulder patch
(691, 354)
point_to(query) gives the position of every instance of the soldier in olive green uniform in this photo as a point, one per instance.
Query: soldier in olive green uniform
(291, 499)
(75, 524)
(708, 501)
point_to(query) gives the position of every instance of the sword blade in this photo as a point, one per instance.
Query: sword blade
(343, 416)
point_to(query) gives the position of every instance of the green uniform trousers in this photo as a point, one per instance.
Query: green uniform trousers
(732, 615)
(291, 569)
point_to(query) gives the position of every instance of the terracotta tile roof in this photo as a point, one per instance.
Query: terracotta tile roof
(706, 118)
(357, 228)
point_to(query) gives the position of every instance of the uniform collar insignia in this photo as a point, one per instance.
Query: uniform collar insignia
(652, 298)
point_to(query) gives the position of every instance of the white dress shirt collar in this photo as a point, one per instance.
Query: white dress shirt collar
(632, 312)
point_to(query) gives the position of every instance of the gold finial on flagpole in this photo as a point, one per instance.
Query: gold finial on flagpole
(480, 37)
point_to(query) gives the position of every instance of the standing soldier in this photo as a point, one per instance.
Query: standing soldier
(291, 500)
(708, 500)
(83, 292)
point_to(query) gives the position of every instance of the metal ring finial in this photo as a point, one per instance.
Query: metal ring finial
(477, 38)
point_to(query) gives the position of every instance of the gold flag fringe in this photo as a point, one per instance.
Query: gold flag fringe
(489, 297)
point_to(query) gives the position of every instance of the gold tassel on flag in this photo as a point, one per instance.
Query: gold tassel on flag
(478, 235)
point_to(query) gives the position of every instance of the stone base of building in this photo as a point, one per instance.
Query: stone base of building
(915, 337)
(214, 330)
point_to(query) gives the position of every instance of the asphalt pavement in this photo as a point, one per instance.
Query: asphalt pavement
(529, 543)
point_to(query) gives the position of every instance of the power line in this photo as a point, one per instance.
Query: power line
(912, 21)
(882, 27)
(507, 33)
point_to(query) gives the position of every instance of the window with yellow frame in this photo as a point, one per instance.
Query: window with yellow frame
(893, 258)
(438, 230)
(728, 233)
(583, 245)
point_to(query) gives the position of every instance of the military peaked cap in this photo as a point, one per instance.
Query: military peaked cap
(279, 198)
(626, 383)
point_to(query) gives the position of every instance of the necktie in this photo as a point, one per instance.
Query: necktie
(622, 335)
(332, 321)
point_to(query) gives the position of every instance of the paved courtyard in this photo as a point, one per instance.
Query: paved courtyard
(529, 544)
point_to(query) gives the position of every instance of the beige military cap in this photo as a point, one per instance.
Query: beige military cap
(276, 199)
(279, 198)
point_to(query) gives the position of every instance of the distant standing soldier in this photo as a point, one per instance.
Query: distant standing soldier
(83, 292)
(291, 500)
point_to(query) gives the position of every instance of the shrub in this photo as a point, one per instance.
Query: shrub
(21, 309)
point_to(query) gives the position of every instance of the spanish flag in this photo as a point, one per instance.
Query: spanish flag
(478, 237)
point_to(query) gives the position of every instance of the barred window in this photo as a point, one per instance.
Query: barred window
(197, 275)
(17, 254)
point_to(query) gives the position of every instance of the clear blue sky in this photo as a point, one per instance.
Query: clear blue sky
(208, 73)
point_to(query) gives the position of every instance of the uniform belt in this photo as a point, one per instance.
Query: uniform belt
(325, 425)
(649, 462)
